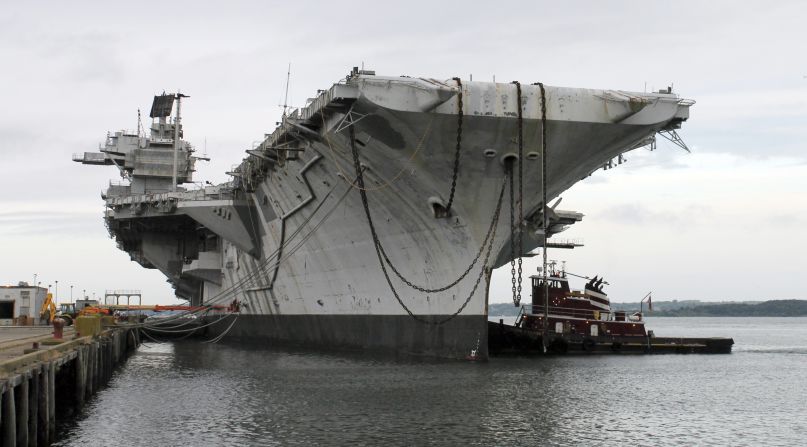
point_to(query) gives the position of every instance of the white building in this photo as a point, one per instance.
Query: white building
(21, 300)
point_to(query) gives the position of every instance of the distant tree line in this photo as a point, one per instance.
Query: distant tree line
(772, 308)
(502, 310)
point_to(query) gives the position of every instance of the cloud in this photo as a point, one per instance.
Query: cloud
(17, 139)
(787, 220)
(78, 70)
(48, 223)
(641, 214)
(760, 123)
(666, 156)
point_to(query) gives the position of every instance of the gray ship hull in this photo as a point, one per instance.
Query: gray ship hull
(290, 242)
(382, 334)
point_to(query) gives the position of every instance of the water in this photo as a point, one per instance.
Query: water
(189, 393)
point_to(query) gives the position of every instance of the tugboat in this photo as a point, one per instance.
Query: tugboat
(582, 321)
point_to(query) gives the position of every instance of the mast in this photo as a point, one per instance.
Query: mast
(177, 121)
(286, 98)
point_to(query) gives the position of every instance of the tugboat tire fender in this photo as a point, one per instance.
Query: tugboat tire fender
(616, 346)
(589, 344)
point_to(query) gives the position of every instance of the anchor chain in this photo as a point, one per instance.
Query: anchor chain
(520, 242)
(490, 232)
(453, 186)
(457, 151)
(544, 150)
(512, 233)
(378, 247)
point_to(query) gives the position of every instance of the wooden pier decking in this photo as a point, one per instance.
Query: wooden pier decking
(40, 384)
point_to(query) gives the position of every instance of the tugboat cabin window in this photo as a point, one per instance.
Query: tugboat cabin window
(553, 283)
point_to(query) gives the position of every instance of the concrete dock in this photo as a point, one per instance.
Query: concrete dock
(42, 378)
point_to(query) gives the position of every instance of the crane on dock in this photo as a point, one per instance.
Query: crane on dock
(48, 309)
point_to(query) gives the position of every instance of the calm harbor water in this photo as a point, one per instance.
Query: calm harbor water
(195, 394)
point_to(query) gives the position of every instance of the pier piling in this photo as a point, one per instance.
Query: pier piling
(21, 403)
(33, 406)
(9, 418)
(60, 376)
(43, 407)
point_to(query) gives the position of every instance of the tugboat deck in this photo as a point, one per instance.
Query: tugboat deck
(505, 339)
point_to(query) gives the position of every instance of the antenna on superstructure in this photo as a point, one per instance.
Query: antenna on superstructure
(177, 135)
(204, 156)
(139, 124)
(286, 98)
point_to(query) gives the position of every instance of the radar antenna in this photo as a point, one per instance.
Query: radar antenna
(286, 98)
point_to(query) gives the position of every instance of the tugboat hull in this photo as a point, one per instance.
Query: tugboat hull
(511, 340)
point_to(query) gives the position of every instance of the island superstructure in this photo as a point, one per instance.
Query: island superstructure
(373, 216)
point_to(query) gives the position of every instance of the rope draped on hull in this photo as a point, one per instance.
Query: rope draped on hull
(516, 233)
(384, 260)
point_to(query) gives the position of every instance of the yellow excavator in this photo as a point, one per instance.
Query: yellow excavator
(69, 311)
(48, 309)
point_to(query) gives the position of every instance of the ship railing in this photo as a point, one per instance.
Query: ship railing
(567, 242)
(89, 156)
(531, 310)
(122, 132)
(185, 196)
(122, 292)
(202, 194)
(325, 97)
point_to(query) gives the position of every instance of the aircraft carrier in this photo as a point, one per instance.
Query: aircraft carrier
(372, 217)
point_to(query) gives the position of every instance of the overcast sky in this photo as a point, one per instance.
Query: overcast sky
(726, 222)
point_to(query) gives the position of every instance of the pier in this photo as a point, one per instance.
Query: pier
(42, 377)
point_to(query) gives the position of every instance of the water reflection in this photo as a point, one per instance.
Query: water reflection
(190, 393)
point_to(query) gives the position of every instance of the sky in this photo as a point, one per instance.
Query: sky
(726, 222)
